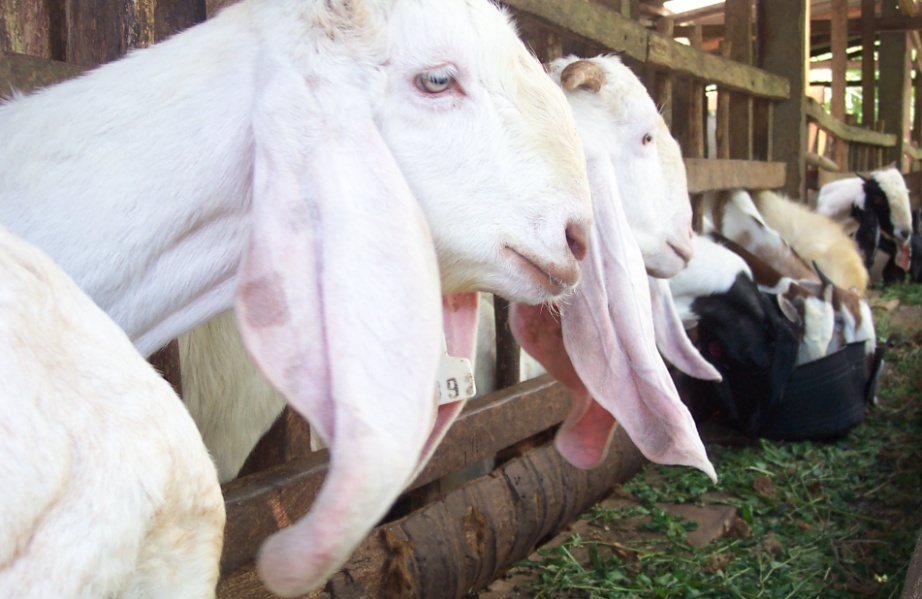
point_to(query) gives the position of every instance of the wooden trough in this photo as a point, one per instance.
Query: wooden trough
(437, 544)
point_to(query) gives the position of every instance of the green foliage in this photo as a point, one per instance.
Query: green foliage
(827, 520)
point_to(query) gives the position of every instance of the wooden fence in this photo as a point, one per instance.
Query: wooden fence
(437, 544)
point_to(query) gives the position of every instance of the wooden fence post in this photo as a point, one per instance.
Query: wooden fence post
(782, 28)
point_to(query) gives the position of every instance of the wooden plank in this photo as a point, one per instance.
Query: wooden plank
(288, 439)
(507, 348)
(912, 587)
(31, 27)
(839, 41)
(722, 132)
(608, 28)
(711, 175)
(738, 19)
(781, 34)
(664, 79)
(847, 132)
(868, 63)
(29, 73)
(458, 545)
(592, 21)
(894, 84)
(166, 361)
(668, 54)
(262, 503)
(912, 150)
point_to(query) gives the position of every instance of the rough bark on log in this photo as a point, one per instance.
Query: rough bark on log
(458, 545)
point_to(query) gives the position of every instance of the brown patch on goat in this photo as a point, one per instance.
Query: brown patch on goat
(264, 301)
(848, 299)
(398, 577)
(474, 527)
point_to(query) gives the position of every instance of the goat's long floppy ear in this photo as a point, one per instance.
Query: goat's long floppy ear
(606, 329)
(671, 339)
(622, 369)
(339, 304)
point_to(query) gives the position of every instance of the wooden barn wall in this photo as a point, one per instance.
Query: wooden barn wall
(90, 33)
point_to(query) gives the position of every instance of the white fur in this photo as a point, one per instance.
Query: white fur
(620, 124)
(108, 490)
(713, 270)
(283, 150)
(816, 238)
(160, 247)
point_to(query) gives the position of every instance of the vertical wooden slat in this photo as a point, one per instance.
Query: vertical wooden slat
(917, 108)
(894, 83)
(664, 79)
(839, 43)
(723, 111)
(507, 348)
(697, 109)
(738, 26)
(31, 27)
(166, 361)
(782, 34)
(868, 63)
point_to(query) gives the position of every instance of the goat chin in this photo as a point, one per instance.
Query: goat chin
(104, 470)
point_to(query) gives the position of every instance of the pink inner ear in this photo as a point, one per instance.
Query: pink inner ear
(459, 322)
(603, 349)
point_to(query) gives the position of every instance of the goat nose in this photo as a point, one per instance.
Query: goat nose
(903, 234)
(577, 239)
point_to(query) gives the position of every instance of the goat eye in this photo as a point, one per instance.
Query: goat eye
(434, 82)
(647, 139)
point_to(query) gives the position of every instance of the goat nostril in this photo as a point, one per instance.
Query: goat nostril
(577, 240)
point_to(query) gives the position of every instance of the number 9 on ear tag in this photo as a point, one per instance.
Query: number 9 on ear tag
(455, 379)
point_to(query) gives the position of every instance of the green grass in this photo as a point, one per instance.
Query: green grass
(821, 520)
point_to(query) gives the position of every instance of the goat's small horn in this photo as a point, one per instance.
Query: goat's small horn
(582, 74)
(821, 274)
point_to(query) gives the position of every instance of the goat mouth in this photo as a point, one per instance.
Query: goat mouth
(683, 253)
(553, 278)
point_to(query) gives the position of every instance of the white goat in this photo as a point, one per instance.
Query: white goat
(602, 344)
(319, 160)
(615, 112)
(816, 238)
(96, 500)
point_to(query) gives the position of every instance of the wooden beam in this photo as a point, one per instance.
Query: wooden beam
(738, 17)
(604, 26)
(894, 84)
(783, 46)
(29, 73)
(487, 425)
(868, 64)
(507, 348)
(592, 21)
(668, 54)
(458, 545)
(664, 79)
(847, 132)
(713, 175)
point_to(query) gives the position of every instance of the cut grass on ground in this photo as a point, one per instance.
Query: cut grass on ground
(815, 519)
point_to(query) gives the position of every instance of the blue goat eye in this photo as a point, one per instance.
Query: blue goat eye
(434, 82)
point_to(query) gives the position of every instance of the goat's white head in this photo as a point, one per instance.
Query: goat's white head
(488, 146)
(411, 126)
(619, 123)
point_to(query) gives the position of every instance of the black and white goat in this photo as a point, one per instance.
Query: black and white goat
(867, 206)
(741, 330)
